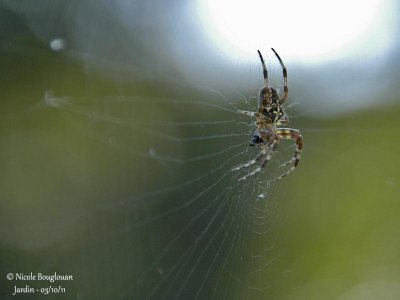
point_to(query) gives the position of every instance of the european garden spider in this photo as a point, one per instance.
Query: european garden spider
(270, 114)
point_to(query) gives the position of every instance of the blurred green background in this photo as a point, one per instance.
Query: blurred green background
(116, 167)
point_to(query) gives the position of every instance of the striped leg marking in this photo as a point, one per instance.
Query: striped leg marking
(263, 152)
(285, 84)
(293, 134)
(267, 152)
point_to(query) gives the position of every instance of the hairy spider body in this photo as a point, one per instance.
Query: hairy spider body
(270, 113)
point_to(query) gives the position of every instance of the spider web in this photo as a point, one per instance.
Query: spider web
(127, 183)
(130, 187)
(174, 217)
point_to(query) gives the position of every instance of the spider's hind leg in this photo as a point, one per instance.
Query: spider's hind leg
(253, 161)
(267, 151)
(288, 133)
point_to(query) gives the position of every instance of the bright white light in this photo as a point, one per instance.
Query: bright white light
(57, 44)
(302, 29)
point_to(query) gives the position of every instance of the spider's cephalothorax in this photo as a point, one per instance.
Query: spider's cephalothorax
(270, 114)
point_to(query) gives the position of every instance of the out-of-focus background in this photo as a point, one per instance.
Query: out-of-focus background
(119, 134)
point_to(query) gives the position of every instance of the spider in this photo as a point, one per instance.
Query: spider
(270, 114)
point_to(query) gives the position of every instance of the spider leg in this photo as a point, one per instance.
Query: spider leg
(265, 93)
(250, 174)
(264, 151)
(272, 145)
(285, 86)
(265, 135)
(256, 137)
(288, 133)
(265, 72)
(247, 113)
(283, 121)
(290, 161)
(267, 151)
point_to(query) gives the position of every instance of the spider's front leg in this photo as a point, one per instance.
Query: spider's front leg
(256, 140)
(293, 134)
(247, 113)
